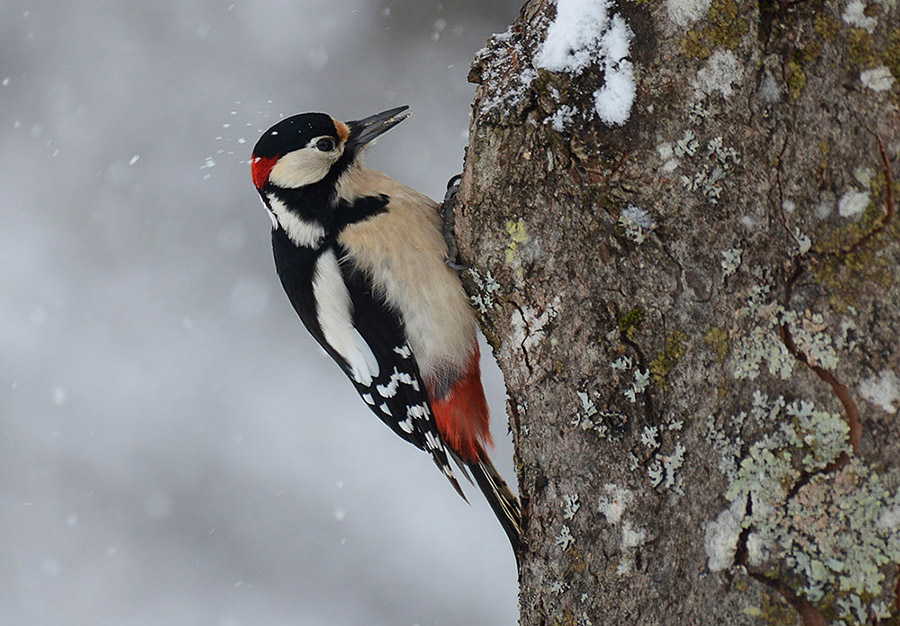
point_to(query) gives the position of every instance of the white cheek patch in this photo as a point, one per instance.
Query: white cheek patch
(303, 233)
(334, 312)
(303, 167)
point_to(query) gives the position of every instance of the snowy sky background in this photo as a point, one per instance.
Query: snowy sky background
(174, 449)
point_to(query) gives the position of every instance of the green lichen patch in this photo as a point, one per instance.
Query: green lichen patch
(862, 49)
(663, 363)
(850, 269)
(518, 234)
(712, 165)
(851, 277)
(826, 25)
(867, 53)
(717, 338)
(809, 333)
(891, 55)
(796, 79)
(836, 533)
(830, 535)
(521, 249)
(724, 26)
(810, 52)
(762, 345)
(486, 289)
(628, 323)
(775, 611)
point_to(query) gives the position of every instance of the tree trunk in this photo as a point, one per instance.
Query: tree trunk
(695, 306)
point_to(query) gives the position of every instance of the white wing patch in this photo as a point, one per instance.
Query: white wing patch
(334, 312)
(433, 442)
(304, 234)
(390, 389)
(415, 412)
(403, 351)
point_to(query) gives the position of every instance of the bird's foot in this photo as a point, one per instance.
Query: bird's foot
(448, 208)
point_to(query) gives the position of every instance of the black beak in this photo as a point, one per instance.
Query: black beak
(365, 130)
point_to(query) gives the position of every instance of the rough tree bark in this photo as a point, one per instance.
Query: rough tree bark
(696, 312)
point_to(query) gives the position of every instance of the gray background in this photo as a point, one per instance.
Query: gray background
(174, 449)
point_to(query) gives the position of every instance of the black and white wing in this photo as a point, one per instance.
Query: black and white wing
(367, 340)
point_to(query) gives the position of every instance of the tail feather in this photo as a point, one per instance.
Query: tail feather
(444, 466)
(503, 502)
(461, 414)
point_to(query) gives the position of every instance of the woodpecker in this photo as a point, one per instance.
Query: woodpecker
(362, 259)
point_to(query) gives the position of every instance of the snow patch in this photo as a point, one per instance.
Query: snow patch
(883, 390)
(670, 166)
(497, 60)
(613, 101)
(573, 39)
(562, 118)
(583, 35)
(665, 151)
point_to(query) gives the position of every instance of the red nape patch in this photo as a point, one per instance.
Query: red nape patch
(462, 415)
(260, 167)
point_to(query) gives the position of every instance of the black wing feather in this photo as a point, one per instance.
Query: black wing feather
(383, 330)
(397, 395)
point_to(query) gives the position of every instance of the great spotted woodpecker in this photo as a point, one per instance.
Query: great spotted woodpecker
(362, 260)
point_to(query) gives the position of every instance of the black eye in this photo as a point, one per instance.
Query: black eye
(325, 144)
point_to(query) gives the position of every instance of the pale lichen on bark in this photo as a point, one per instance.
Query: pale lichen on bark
(697, 310)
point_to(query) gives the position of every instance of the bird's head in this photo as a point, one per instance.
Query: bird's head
(303, 149)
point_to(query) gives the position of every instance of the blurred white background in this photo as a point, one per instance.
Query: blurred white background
(174, 448)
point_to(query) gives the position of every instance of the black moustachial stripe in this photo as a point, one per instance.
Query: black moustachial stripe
(316, 203)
